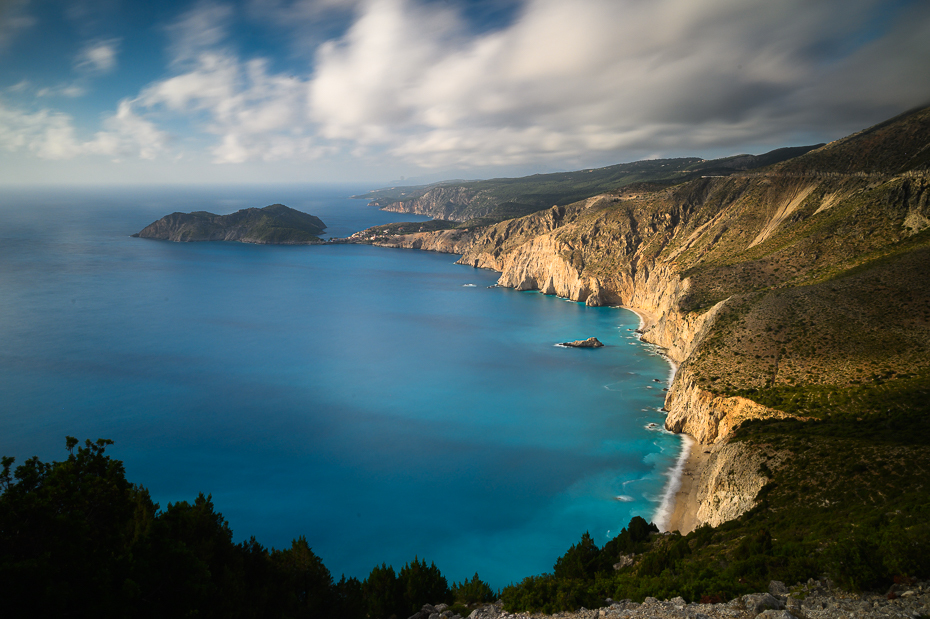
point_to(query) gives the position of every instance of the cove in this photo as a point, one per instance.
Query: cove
(383, 403)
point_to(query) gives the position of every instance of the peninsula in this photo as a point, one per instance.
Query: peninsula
(273, 225)
(794, 299)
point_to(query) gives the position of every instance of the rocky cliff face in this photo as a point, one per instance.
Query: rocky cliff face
(765, 287)
(731, 480)
(443, 202)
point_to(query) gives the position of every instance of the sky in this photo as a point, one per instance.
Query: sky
(255, 91)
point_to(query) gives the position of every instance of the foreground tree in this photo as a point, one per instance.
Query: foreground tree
(68, 531)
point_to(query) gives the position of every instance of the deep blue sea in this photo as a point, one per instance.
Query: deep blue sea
(384, 403)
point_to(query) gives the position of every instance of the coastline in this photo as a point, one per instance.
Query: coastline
(683, 517)
(677, 511)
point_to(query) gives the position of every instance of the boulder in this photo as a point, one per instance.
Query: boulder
(759, 602)
(777, 587)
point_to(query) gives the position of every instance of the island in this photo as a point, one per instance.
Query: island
(273, 225)
(591, 342)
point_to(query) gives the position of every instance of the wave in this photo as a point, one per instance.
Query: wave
(667, 505)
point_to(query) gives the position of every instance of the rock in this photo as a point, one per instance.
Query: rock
(678, 601)
(777, 587)
(591, 342)
(758, 602)
(775, 614)
(595, 300)
(427, 612)
(625, 561)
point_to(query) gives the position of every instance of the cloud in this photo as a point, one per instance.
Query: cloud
(48, 134)
(70, 90)
(128, 135)
(553, 84)
(570, 81)
(97, 57)
(13, 19)
(200, 29)
(256, 114)
(289, 12)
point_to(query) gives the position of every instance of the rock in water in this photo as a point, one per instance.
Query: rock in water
(276, 225)
(591, 342)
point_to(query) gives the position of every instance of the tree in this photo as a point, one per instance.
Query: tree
(382, 593)
(581, 560)
(350, 601)
(68, 531)
(474, 591)
(308, 583)
(421, 585)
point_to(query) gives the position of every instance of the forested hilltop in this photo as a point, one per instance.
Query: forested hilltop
(77, 539)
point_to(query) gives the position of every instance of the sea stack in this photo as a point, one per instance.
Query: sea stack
(591, 342)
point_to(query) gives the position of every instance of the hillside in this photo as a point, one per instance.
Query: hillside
(276, 224)
(814, 277)
(796, 300)
(489, 201)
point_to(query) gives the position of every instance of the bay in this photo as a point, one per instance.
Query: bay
(384, 403)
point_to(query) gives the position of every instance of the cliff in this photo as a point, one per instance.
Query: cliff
(276, 224)
(489, 201)
(798, 291)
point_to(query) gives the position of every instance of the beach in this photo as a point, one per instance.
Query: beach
(683, 516)
(678, 509)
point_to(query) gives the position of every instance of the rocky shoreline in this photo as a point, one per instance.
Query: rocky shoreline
(815, 599)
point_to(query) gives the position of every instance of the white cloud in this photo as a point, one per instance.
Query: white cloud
(570, 80)
(128, 135)
(97, 57)
(49, 134)
(202, 28)
(256, 114)
(70, 90)
(289, 12)
(46, 134)
(560, 84)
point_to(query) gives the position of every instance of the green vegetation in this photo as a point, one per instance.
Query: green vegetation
(78, 539)
(850, 503)
(411, 227)
(275, 224)
(499, 199)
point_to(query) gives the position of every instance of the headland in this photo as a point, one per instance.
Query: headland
(793, 301)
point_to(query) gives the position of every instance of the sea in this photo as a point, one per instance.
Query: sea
(386, 404)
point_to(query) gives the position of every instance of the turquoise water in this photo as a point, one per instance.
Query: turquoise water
(384, 403)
